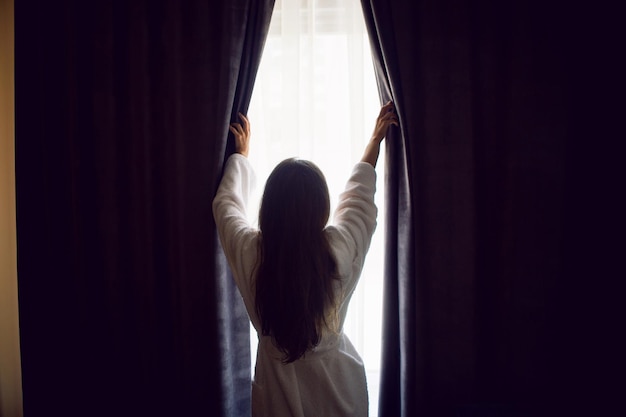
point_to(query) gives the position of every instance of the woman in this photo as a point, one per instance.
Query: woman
(297, 274)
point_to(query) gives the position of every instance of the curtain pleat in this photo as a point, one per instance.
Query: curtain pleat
(475, 197)
(122, 112)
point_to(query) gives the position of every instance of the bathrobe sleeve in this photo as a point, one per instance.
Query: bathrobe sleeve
(239, 240)
(354, 222)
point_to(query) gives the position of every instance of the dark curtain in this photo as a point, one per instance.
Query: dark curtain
(122, 113)
(476, 207)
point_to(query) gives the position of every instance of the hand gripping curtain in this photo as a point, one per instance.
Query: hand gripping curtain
(122, 113)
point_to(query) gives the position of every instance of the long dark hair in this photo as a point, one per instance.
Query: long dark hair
(294, 282)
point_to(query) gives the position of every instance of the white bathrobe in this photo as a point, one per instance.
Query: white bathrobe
(330, 379)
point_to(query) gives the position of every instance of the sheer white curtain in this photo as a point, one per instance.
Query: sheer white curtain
(315, 97)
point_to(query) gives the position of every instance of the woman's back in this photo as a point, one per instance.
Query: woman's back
(330, 375)
(294, 284)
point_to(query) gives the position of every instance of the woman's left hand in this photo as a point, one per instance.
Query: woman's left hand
(241, 131)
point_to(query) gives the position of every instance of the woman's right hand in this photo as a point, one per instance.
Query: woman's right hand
(386, 118)
(241, 131)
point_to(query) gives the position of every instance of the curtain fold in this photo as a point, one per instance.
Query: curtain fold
(234, 329)
(398, 311)
(476, 191)
(122, 113)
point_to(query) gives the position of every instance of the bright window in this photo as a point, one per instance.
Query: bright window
(315, 97)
